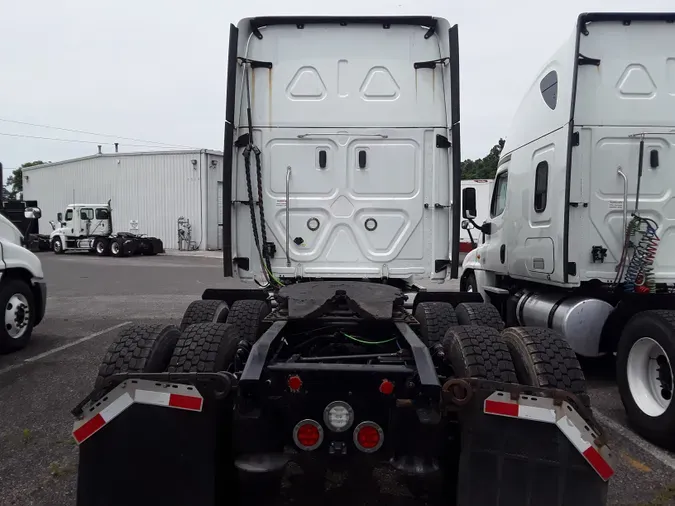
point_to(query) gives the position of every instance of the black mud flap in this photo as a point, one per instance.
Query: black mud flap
(154, 443)
(529, 450)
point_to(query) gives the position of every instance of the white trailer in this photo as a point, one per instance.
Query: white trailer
(89, 227)
(581, 231)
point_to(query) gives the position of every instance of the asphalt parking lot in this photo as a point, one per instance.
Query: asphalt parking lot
(90, 298)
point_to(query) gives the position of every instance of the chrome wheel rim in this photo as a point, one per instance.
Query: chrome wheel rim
(115, 248)
(57, 245)
(100, 247)
(17, 315)
(650, 376)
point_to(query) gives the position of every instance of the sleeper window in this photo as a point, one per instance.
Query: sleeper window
(102, 214)
(541, 187)
(499, 195)
(549, 89)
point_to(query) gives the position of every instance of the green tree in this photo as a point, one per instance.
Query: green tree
(483, 168)
(15, 181)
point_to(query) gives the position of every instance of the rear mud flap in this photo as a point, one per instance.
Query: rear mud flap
(526, 450)
(147, 442)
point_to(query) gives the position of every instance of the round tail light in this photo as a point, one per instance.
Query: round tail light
(308, 435)
(338, 416)
(368, 437)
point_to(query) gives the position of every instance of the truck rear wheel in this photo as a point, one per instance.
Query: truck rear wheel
(435, 318)
(645, 359)
(544, 359)
(479, 313)
(204, 311)
(478, 352)
(117, 247)
(205, 347)
(139, 348)
(247, 317)
(17, 299)
(101, 247)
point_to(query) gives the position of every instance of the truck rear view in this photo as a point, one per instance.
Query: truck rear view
(342, 148)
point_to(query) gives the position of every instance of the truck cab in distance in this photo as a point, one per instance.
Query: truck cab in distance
(580, 231)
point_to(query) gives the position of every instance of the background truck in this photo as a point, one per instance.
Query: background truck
(89, 227)
(341, 164)
(580, 228)
(23, 291)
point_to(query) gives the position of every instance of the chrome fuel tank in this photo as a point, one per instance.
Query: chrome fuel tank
(579, 319)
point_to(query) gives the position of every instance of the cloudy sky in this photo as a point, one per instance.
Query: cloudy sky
(154, 70)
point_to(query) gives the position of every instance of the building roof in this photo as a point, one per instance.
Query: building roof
(118, 155)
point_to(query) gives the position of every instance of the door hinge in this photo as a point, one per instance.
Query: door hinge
(442, 142)
(585, 60)
(575, 139)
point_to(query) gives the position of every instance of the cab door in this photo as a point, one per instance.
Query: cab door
(69, 221)
(494, 254)
(86, 217)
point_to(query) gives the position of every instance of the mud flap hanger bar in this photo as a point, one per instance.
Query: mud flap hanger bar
(255, 64)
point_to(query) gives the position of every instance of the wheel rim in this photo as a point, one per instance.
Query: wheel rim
(57, 245)
(17, 315)
(650, 376)
(100, 247)
(115, 248)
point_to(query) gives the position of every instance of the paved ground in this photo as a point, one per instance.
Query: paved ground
(90, 298)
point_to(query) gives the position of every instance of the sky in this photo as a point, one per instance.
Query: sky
(154, 70)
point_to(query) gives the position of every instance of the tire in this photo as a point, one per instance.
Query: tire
(247, 317)
(479, 313)
(652, 416)
(205, 347)
(139, 348)
(101, 247)
(57, 246)
(469, 284)
(435, 318)
(117, 248)
(478, 352)
(204, 311)
(19, 313)
(544, 359)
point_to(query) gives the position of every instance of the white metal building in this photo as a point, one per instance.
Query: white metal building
(148, 191)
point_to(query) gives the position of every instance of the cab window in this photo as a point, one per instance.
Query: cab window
(69, 215)
(86, 214)
(102, 213)
(498, 203)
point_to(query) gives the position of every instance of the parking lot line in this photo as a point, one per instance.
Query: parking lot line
(628, 434)
(63, 347)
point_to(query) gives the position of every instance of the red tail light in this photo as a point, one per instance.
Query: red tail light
(308, 435)
(368, 437)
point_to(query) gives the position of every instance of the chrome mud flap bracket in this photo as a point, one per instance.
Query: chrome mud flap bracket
(156, 439)
(526, 446)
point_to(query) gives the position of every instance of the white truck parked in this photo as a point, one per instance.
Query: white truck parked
(341, 166)
(468, 239)
(23, 291)
(581, 231)
(89, 227)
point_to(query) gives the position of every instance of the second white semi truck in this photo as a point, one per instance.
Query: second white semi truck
(581, 230)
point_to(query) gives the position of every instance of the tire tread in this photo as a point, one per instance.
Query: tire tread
(479, 313)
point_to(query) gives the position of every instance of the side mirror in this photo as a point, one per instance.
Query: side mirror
(59, 217)
(53, 225)
(469, 203)
(32, 213)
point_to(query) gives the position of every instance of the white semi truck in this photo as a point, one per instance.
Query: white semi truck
(483, 191)
(89, 227)
(23, 291)
(580, 233)
(341, 167)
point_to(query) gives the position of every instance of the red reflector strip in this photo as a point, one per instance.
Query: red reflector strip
(185, 402)
(598, 463)
(89, 428)
(501, 408)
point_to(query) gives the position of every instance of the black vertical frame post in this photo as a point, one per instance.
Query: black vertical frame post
(456, 151)
(228, 150)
